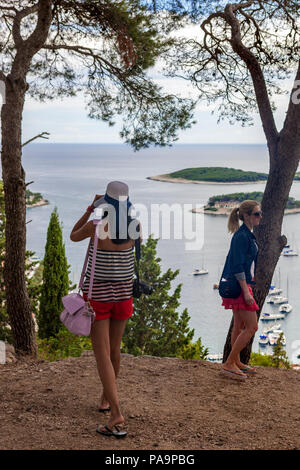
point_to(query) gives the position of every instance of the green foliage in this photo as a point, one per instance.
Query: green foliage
(219, 174)
(56, 282)
(263, 360)
(32, 198)
(213, 62)
(156, 328)
(64, 344)
(279, 357)
(104, 49)
(253, 196)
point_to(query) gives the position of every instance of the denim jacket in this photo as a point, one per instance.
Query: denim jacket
(242, 253)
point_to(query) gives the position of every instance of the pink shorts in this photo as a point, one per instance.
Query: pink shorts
(239, 303)
(121, 310)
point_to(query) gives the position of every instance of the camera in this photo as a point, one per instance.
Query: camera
(141, 287)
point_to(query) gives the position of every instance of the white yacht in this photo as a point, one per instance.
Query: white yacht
(290, 252)
(263, 339)
(272, 316)
(215, 357)
(200, 272)
(276, 326)
(285, 308)
(277, 299)
(274, 290)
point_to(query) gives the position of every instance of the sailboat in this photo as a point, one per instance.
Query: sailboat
(200, 272)
(274, 290)
(266, 316)
(289, 251)
(286, 307)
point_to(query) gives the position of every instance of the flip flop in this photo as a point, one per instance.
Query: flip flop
(103, 410)
(249, 370)
(106, 431)
(233, 374)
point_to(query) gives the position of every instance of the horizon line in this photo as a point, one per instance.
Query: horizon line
(124, 143)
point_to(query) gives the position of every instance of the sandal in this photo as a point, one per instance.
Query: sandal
(249, 370)
(103, 410)
(234, 374)
(106, 431)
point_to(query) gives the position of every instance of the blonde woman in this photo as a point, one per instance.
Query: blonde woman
(241, 265)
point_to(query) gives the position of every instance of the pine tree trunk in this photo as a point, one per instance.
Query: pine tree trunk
(17, 300)
(284, 160)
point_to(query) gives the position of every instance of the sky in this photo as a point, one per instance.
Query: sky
(67, 122)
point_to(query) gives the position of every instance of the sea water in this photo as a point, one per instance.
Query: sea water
(70, 175)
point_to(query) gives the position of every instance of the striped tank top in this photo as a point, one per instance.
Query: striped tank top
(113, 275)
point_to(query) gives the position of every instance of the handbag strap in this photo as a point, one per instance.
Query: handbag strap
(137, 245)
(84, 266)
(83, 273)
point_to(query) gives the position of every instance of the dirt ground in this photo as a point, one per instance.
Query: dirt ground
(167, 404)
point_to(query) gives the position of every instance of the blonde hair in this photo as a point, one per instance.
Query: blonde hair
(237, 214)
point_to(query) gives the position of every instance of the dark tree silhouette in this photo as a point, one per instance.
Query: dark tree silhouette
(242, 54)
(57, 48)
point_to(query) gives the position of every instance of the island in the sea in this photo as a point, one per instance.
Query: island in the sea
(34, 199)
(224, 203)
(212, 175)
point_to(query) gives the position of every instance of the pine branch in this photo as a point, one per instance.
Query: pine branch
(254, 67)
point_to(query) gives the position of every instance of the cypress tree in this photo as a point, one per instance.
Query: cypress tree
(56, 282)
(156, 328)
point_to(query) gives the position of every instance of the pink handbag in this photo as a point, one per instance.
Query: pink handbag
(78, 314)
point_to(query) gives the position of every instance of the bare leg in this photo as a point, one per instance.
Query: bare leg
(101, 345)
(115, 334)
(249, 319)
(238, 326)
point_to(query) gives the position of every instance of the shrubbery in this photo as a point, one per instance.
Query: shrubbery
(64, 344)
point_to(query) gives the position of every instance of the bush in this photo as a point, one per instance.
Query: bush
(156, 327)
(63, 345)
(264, 360)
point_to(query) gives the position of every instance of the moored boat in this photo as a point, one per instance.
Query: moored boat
(285, 308)
(200, 272)
(272, 316)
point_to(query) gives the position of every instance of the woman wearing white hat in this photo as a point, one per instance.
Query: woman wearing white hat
(111, 291)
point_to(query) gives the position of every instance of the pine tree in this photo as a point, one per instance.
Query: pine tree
(279, 357)
(33, 284)
(156, 328)
(58, 48)
(56, 282)
(5, 334)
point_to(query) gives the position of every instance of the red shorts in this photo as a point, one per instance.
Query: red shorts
(115, 310)
(239, 303)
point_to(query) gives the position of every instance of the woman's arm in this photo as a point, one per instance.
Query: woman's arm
(82, 229)
(238, 252)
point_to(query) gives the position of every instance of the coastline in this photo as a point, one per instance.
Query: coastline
(43, 202)
(169, 179)
(226, 212)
